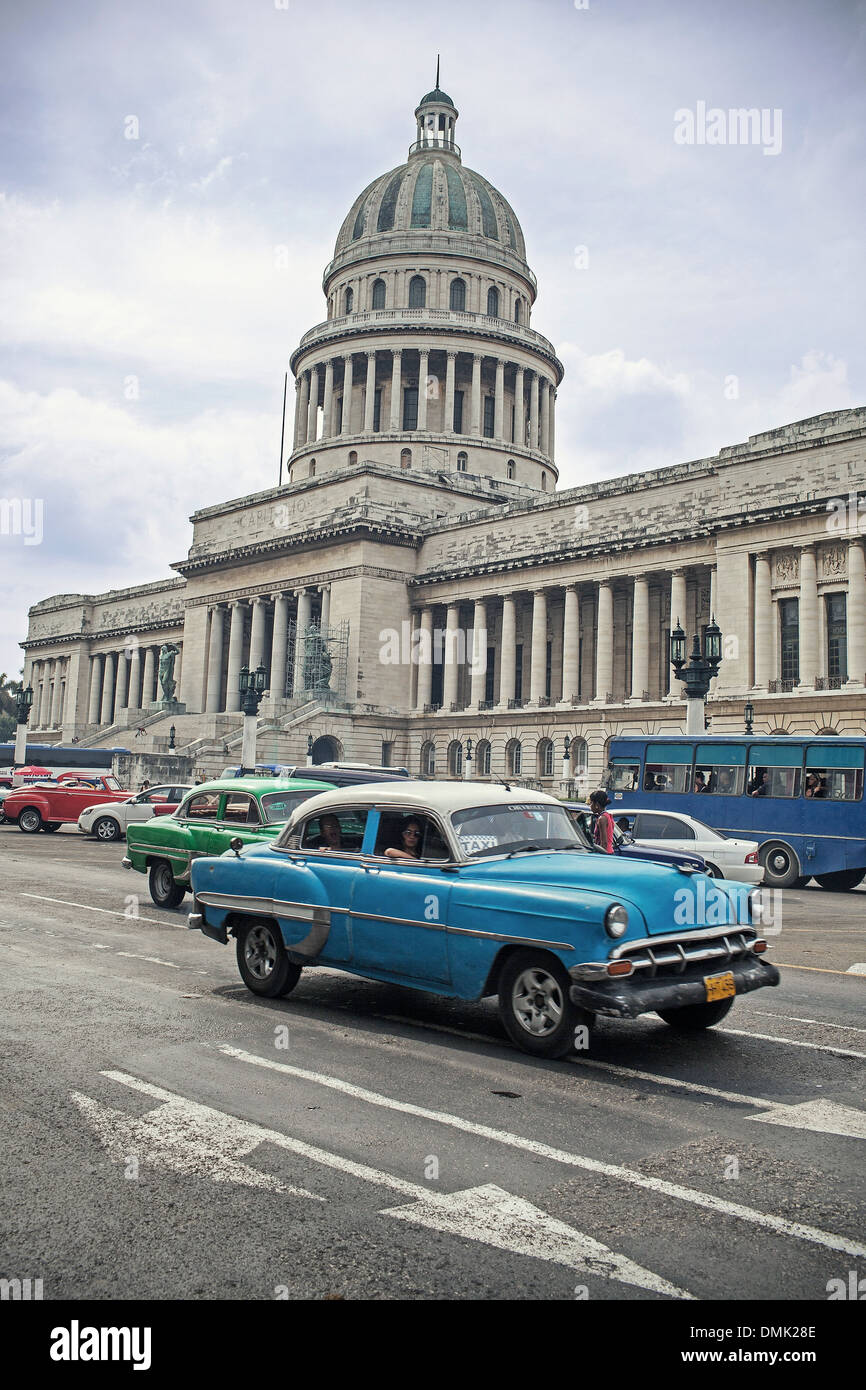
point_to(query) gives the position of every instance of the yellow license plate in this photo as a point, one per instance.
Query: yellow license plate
(719, 986)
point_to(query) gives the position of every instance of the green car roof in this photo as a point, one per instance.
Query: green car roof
(261, 785)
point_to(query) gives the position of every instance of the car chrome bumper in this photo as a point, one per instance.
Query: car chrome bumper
(631, 995)
(196, 922)
(126, 862)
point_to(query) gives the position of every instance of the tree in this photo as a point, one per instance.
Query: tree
(8, 706)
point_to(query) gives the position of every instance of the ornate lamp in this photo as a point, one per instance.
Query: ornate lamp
(678, 648)
(749, 716)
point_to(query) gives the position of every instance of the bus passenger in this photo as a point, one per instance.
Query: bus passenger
(701, 782)
(758, 785)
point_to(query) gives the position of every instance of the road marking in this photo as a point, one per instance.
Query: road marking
(791, 1042)
(777, 1224)
(154, 960)
(821, 1116)
(815, 969)
(109, 911)
(187, 1137)
(819, 1022)
(858, 969)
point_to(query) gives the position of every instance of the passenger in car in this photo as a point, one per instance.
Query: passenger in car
(410, 842)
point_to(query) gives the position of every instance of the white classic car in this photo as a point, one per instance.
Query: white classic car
(109, 820)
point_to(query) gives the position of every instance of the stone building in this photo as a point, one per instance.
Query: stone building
(418, 582)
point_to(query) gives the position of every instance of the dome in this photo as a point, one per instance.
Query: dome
(433, 192)
(437, 97)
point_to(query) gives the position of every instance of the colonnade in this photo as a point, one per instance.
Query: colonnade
(845, 575)
(258, 635)
(48, 678)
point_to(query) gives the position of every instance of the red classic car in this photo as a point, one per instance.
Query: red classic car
(47, 808)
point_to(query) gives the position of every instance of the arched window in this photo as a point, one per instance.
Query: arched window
(544, 482)
(510, 470)
(353, 457)
(462, 462)
(517, 311)
(428, 759)
(482, 758)
(455, 758)
(348, 300)
(405, 458)
(458, 294)
(493, 302)
(578, 755)
(312, 468)
(417, 292)
(378, 300)
(545, 757)
(513, 757)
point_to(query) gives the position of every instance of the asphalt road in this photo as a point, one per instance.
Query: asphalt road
(168, 1135)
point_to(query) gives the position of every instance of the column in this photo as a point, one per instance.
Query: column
(764, 636)
(499, 401)
(328, 409)
(551, 426)
(479, 653)
(134, 691)
(370, 393)
(303, 408)
(423, 372)
(347, 395)
(571, 645)
(452, 670)
(147, 693)
(302, 622)
(425, 659)
(640, 638)
(475, 418)
(538, 671)
(519, 409)
(313, 408)
(808, 616)
(279, 646)
(450, 370)
(123, 665)
(678, 615)
(297, 424)
(396, 389)
(325, 607)
(544, 405)
(533, 411)
(508, 659)
(95, 688)
(236, 656)
(856, 613)
(604, 644)
(106, 712)
(257, 633)
(57, 713)
(214, 661)
(178, 671)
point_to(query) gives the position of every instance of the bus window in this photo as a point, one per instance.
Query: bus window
(775, 772)
(834, 774)
(623, 775)
(720, 769)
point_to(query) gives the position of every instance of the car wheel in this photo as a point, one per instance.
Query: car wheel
(712, 872)
(695, 1017)
(106, 828)
(163, 889)
(535, 1007)
(842, 880)
(780, 864)
(30, 821)
(265, 968)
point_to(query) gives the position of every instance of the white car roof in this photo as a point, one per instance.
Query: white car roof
(443, 797)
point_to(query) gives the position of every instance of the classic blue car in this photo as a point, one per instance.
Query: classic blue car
(469, 891)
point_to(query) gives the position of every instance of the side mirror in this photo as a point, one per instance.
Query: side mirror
(237, 844)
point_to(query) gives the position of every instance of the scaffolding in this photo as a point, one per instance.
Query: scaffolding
(325, 662)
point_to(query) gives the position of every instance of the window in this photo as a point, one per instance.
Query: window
(241, 810)
(455, 758)
(458, 412)
(670, 768)
(410, 408)
(353, 457)
(834, 774)
(429, 839)
(545, 758)
(720, 768)
(623, 774)
(417, 292)
(482, 758)
(837, 637)
(377, 410)
(312, 468)
(387, 750)
(518, 671)
(202, 807)
(489, 407)
(405, 458)
(789, 624)
(378, 299)
(428, 760)
(517, 311)
(647, 827)
(513, 757)
(548, 670)
(279, 806)
(462, 462)
(544, 482)
(510, 470)
(493, 302)
(775, 771)
(458, 294)
(332, 831)
(348, 301)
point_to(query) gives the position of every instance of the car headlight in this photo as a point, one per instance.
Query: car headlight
(616, 920)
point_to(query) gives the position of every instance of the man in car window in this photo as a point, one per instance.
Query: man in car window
(330, 836)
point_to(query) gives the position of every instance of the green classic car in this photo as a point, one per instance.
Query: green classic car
(253, 809)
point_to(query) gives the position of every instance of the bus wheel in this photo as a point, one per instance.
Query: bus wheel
(842, 880)
(781, 865)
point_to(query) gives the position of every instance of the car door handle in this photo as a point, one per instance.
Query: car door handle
(370, 869)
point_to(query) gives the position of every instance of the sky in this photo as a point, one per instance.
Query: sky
(173, 176)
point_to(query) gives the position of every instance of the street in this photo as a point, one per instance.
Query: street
(170, 1136)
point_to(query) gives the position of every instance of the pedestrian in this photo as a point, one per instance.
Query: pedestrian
(145, 786)
(602, 821)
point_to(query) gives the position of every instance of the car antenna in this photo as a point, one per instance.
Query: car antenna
(498, 779)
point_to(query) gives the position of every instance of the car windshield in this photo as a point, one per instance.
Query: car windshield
(112, 784)
(503, 829)
(278, 806)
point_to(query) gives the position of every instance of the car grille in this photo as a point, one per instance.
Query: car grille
(674, 955)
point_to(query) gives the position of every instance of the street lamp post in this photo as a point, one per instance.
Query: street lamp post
(467, 761)
(566, 763)
(703, 665)
(749, 717)
(23, 703)
(252, 688)
(172, 735)
(309, 750)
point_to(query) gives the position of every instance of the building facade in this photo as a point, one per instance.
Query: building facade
(419, 592)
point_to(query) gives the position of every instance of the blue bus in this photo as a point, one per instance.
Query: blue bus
(56, 757)
(800, 797)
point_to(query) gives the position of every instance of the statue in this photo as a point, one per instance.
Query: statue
(168, 653)
(317, 661)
